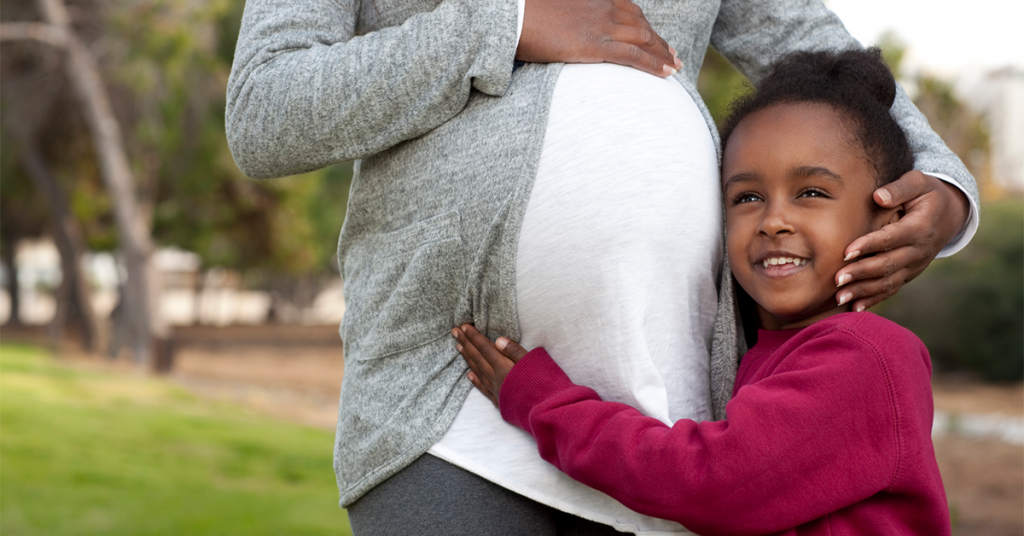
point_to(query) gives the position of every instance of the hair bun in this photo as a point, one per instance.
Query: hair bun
(867, 71)
(856, 83)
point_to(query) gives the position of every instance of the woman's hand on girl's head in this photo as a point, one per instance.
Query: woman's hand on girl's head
(935, 212)
(489, 362)
(593, 31)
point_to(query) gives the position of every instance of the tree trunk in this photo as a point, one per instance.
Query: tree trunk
(198, 288)
(7, 251)
(74, 290)
(136, 247)
(62, 299)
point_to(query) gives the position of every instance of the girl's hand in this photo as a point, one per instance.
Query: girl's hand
(935, 212)
(593, 31)
(489, 362)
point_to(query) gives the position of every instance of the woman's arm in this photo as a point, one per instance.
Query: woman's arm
(753, 34)
(306, 92)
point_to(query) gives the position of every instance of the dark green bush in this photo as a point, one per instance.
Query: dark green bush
(969, 309)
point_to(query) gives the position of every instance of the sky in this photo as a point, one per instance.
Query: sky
(946, 38)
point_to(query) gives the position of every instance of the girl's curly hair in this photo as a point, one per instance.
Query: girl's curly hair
(856, 83)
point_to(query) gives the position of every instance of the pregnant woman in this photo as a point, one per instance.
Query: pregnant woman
(594, 227)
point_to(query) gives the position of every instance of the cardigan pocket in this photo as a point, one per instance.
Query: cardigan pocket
(402, 287)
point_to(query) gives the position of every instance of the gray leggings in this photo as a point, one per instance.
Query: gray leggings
(433, 497)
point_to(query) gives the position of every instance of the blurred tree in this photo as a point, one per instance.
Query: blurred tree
(719, 83)
(281, 233)
(24, 216)
(27, 68)
(969, 308)
(963, 129)
(85, 80)
(165, 64)
(893, 50)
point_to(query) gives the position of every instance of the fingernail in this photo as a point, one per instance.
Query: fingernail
(668, 71)
(845, 297)
(679, 64)
(673, 51)
(884, 195)
(852, 255)
(501, 343)
(844, 279)
(860, 308)
(458, 347)
(455, 333)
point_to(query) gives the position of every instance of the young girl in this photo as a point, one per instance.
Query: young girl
(829, 427)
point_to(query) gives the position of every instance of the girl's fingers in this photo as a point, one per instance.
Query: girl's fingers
(489, 365)
(510, 349)
(487, 348)
(476, 383)
(472, 355)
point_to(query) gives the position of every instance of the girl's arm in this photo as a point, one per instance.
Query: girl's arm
(941, 216)
(817, 436)
(306, 91)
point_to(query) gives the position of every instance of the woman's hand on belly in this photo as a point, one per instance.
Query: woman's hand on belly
(594, 31)
(488, 363)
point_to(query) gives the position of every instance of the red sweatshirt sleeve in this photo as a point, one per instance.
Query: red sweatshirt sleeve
(816, 435)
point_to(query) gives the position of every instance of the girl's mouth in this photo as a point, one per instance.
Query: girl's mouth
(782, 261)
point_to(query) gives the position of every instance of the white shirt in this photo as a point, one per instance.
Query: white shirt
(615, 274)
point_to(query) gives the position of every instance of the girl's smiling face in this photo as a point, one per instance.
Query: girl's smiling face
(798, 190)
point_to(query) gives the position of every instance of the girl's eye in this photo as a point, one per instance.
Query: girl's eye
(813, 192)
(746, 197)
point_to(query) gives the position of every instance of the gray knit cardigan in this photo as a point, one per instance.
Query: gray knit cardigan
(446, 137)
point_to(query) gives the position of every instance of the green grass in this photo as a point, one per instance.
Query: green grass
(94, 453)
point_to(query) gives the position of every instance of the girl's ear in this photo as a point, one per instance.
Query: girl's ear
(889, 215)
(895, 216)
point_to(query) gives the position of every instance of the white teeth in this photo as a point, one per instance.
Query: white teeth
(775, 261)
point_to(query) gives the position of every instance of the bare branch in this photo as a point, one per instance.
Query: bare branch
(54, 12)
(34, 31)
(83, 73)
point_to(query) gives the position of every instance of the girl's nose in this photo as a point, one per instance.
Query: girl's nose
(775, 220)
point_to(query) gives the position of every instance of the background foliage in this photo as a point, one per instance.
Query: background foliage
(166, 64)
(969, 308)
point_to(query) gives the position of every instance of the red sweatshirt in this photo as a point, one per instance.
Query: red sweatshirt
(828, 432)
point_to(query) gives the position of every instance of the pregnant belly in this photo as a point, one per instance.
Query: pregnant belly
(621, 242)
(615, 274)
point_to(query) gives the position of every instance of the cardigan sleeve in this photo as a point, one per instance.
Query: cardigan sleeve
(753, 34)
(816, 436)
(305, 91)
